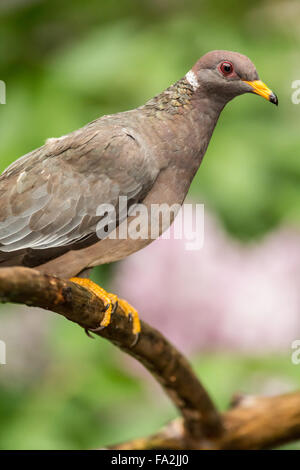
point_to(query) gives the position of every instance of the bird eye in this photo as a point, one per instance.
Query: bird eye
(226, 68)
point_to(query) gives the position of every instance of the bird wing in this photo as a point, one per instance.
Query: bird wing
(49, 198)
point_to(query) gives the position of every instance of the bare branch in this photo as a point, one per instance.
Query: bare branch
(200, 417)
(254, 423)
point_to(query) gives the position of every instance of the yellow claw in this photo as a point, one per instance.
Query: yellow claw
(110, 301)
(131, 312)
(102, 294)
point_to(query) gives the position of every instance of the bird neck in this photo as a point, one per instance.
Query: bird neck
(174, 100)
(186, 117)
(183, 97)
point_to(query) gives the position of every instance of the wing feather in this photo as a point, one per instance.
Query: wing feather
(49, 197)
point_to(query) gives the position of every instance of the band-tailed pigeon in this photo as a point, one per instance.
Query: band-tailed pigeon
(50, 197)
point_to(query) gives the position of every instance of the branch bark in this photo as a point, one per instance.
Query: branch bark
(30, 287)
(253, 423)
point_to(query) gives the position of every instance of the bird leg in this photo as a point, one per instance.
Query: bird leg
(111, 301)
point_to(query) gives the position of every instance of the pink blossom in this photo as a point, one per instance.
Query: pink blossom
(227, 295)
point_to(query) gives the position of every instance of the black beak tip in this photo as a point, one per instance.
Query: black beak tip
(273, 99)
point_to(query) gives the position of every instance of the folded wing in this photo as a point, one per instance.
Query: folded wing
(50, 198)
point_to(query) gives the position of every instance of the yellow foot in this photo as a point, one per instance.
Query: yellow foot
(111, 302)
(131, 313)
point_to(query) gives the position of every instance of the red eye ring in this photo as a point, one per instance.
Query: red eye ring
(226, 68)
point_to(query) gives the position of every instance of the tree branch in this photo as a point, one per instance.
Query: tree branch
(200, 417)
(254, 423)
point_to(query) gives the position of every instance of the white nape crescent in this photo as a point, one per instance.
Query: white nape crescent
(191, 78)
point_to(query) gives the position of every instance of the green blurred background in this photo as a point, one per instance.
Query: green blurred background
(65, 64)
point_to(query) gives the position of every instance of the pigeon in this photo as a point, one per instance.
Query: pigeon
(60, 204)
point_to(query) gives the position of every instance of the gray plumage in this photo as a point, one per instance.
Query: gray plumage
(49, 197)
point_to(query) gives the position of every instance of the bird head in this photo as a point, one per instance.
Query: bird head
(226, 74)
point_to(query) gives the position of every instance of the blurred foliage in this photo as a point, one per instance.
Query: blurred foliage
(66, 63)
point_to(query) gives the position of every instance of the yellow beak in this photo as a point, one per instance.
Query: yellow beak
(261, 89)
